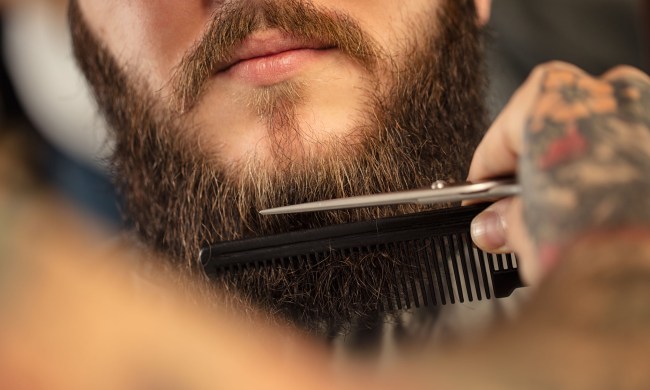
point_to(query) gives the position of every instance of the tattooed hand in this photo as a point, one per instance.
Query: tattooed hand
(581, 148)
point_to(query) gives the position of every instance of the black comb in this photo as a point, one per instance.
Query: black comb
(436, 245)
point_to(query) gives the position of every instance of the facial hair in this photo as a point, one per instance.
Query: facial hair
(425, 127)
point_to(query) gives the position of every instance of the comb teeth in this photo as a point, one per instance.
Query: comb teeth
(441, 265)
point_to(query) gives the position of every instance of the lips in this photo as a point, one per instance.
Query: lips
(268, 56)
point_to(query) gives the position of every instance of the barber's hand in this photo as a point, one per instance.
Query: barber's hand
(581, 148)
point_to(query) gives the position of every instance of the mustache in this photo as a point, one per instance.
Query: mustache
(233, 22)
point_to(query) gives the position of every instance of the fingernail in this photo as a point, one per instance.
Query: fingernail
(489, 231)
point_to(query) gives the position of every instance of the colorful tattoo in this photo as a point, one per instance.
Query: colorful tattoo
(587, 163)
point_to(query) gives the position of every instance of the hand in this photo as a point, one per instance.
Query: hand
(581, 148)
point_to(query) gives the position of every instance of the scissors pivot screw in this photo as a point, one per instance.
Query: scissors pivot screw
(438, 185)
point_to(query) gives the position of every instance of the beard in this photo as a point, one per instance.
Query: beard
(424, 126)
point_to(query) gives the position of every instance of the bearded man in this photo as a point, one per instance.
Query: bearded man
(220, 109)
(264, 103)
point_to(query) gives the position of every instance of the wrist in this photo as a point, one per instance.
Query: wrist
(615, 247)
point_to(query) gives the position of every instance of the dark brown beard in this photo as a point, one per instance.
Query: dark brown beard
(424, 129)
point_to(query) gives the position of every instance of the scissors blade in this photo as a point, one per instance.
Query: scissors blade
(493, 189)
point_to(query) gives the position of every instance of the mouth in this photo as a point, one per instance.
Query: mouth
(270, 56)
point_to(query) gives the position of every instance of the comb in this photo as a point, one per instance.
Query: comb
(441, 264)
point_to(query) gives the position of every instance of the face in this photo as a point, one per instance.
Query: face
(222, 108)
(291, 64)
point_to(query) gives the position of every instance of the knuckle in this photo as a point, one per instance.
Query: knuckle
(553, 66)
(542, 71)
(624, 73)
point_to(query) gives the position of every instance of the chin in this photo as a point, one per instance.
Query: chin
(286, 140)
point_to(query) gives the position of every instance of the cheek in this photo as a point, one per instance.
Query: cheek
(391, 23)
(151, 36)
(167, 29)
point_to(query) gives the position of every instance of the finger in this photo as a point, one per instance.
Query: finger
(489, 228)
(519, 240)
(498, 153)
(625, 72)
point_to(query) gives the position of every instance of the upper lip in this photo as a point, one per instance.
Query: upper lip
(265, 44)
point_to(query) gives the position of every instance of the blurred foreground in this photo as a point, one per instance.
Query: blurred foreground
(76, 314)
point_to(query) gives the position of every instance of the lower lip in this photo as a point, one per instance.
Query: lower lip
(273, 69)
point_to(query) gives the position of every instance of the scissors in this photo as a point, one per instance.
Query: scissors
(439, 192)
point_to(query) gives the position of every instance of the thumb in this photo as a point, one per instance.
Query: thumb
(500, 229)
(489, 229)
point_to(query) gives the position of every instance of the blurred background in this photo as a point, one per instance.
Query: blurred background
(593, 34)
(44, 98)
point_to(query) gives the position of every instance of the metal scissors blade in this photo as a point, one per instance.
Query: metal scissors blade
(439, 192)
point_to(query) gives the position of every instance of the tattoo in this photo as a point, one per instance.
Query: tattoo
(587, 161)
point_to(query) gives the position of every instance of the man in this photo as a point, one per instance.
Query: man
(259, 104)
(221, 109)
(254, 104)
